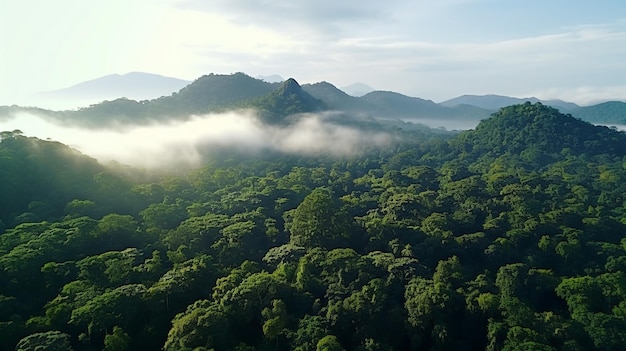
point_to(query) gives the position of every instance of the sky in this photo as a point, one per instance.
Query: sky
(574, 50)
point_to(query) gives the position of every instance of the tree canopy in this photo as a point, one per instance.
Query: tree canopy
(506, 237)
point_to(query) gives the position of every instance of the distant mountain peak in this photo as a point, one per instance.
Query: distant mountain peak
(495, 102)
(290, 87)
(132, 85)
(288, 99)
(610, 112)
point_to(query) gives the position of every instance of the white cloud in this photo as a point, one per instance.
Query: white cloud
(186, 142)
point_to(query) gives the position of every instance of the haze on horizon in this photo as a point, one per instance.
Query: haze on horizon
(566, 49)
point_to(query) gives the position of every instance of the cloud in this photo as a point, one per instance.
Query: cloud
(415, 64)
(189, 142)
(576, 57)
(324, 15)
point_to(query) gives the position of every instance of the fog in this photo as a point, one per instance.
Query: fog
(447, 124)
(172, 143)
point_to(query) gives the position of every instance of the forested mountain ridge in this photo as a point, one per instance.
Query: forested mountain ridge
(479, 241)
(536, 130)
(288, 99)
(334, 98)
(387, 104)
(215, 93)
(214, 90)
(219, 93)
(495, 102)
(611, 112)
(209, 93)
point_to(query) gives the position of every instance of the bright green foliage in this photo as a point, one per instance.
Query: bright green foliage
(117, 341)
(329, 343)
(47, 341)
(319, 221)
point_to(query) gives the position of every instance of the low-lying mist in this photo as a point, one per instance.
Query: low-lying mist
(172, 143)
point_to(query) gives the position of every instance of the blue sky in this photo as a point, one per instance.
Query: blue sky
(573, 50)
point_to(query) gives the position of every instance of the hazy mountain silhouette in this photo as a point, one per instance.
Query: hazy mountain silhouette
(495, 102)
(133, 85)
(336, 99)
(395, 104)
(611, 112)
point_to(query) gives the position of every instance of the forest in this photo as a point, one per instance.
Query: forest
(510, 236)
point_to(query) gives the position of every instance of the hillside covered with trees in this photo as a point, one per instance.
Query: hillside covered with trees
(506, 237)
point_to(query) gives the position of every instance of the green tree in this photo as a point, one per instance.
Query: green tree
(117, 341)
(46, 341)
(319, 221)
(329, 343)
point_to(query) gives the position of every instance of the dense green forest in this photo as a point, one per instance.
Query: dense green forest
(506, 237)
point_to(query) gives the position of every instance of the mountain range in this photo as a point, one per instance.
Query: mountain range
(495, 102)
(277, 98)
(133, 85)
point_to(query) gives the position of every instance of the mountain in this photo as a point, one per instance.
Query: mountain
(287, 100)
(218, 93)
(133, 85)
(394, 105)
(537, 131)
(611, 112)
(495, 102)
(214, 91)
(488, 102)
(357, 89)
(336, 99)
(391, 105)
(209, 93)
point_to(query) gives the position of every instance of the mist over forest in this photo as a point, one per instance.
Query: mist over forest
(159, 145)
(238, 214)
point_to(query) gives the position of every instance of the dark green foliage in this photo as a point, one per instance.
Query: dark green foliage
(507, 237)
(40, 177)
